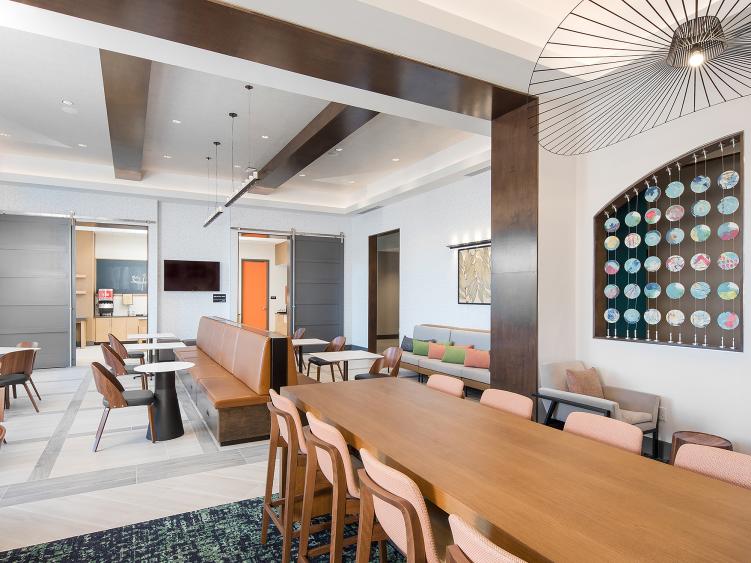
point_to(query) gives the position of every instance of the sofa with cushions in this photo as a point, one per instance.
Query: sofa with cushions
(459, 352)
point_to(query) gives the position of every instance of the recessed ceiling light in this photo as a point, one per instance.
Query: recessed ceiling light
(264, 136)
(176, 121)
(82, 145)
(167, 156)
(237, 166)
(66, 102)
(351, 182)
(4, 134)
(394, 160)
(338, 149)
(302, 175)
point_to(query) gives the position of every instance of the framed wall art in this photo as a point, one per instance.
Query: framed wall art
(474, 275)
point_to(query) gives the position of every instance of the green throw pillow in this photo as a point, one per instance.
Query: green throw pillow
(454, 355)
(420, 347)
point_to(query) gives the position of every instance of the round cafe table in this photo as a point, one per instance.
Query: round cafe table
(700, 438)
(167, 420)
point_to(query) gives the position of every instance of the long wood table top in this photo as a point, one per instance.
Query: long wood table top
(541, 493)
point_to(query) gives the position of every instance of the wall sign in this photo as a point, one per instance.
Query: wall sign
(220, 298)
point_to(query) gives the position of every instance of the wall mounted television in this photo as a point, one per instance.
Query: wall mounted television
(191, 275)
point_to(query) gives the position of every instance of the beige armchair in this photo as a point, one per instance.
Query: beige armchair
(635, 407)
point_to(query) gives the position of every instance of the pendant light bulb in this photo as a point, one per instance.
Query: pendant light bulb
(696, 59)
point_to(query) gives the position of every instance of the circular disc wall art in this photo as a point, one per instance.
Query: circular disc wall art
(700, 319)
(700, 290)
(728, 179)
(652, 216)
(632, 291)
(728, 231)
(728, 260)
(632, 240)
(675, 213)
(652, 194)
(675, 317)
(700, 184)
(612, 242)
(675, 290)
(612, 315)
(700, 262)
(612, 225)
(631, 316)
(701, 208)
(652, 290)
(633, 218)
(612, 291)
(700, 233)
(675, 263)
(652, 264)
(612, 267)
(728, 320)
(674, 189)
(652, 238)
(652, 316)
(728, 291)
(728, 205)
(632, 265)
(675, 236)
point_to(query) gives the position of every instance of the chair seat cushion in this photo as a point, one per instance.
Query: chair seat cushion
(225, 392)
(361, 376)
(135, 397)
(437, 366)
(136, 355)
(476, 374)
(319, 362)
(12, 379)
(410, 358)
(635, 417)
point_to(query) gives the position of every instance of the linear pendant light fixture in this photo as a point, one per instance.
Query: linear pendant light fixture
(252, 176)
(218, 211)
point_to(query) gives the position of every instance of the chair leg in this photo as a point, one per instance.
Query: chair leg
(382, 555)
(338, 515)
(318, 373)
(151, 424)
(365, 527)
(307, 506)
(308, 369)
(269, 486)
(289, 505)
(35, 388)
(31, 397)
(333, 377)
(655, 444)
(339, 367)
(15, 396)
(100, 429)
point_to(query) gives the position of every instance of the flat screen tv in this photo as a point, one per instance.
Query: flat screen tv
(191, 275)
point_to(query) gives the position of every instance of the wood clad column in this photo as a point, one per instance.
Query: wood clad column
(514, 202)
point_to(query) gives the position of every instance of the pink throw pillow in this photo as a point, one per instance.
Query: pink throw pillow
(477, 358)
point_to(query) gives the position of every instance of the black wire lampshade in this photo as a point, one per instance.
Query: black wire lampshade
(616, 68)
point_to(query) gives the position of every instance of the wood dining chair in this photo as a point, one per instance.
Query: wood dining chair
(446, 384)
(606, 430)
(117, 364)
(15, 369)
(725, 465)
(509, 402)
(470, 546)
(299, 333)
(392, 359)
(336, 345)
(120, 348)
(35, 345)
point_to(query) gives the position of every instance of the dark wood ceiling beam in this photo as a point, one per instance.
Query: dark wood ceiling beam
(326, 130)
(261, 39)
(126, 94)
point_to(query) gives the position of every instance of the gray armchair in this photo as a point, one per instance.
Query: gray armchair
(635, 407)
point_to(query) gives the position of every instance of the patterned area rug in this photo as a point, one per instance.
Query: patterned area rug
(230, 532)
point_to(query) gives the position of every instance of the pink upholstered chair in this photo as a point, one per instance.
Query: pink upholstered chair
(397, 502)
(470, 546)
(447, 384)
(606, 430)
(725, 465)
(508, 402)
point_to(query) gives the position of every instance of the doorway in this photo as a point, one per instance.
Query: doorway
(255, 293)
(383, 291)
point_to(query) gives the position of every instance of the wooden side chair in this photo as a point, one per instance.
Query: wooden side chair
(299, 333)
(2, 435)
(725, 465)
(446, 384)
(15, 369)
(509, 402)
(117, 364)
(119, 347)
(606, 430)
(392, 359)
(336, 345)
(35, 345)
(114, 396)
(470, 546)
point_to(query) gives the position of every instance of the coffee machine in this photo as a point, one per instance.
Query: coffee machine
(105, 302)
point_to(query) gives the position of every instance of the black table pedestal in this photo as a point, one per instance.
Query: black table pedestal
(167, 420)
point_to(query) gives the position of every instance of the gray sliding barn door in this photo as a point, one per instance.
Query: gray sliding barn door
(35, 286)
(318, 296)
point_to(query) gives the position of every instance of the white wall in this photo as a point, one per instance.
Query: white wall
(123, 245)
(703, 390)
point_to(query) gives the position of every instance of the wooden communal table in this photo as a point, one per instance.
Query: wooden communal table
(540, 493)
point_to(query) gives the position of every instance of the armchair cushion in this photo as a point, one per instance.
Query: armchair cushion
(584, 382)
(635, 417)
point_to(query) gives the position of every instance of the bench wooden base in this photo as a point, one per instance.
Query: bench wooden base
(427, 372)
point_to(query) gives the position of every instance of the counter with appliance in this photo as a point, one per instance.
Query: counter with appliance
(120, 326)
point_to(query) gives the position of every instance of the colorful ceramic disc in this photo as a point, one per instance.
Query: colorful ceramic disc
(612, 225)
(632, 265)
(675, 263)
(701, 208)
(612, 267)
(632, 240)
(701, 261)
(700, 233)
(652, 264)
(633, 219)
(632, 291)
(652, 238)
(728, 260)
(700, 319)
(652, 194)
(700, 290)
(631, 316)
(652, 316)
(652, 290)
(612, 315)
(612, 291)
(728, 179)
(652, 216)
(612, 242)
(728, 320)
(728, 291)
(728, 205)
(728, 231)
(700, 184)
(674, 189)
(675, 236)
(675, 213)
(675, 290)
(675, 317)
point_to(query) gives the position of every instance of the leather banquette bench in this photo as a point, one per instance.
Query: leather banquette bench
(235, 366)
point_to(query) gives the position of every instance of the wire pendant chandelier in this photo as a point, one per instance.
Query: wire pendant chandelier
(616, 68)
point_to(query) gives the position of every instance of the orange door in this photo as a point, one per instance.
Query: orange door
(255, 293)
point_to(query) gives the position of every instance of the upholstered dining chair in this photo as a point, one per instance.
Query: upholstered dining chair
(388, 366)
(725, 465)
(446, 384)
(119, 347)
(298, 334)
(35, 345)
(470, 546)
(336, 345)
(15, 369)
(606, 430)
(508, 402)
(117, 364)
(328, 453)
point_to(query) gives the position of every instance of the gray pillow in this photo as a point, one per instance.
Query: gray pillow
(406, 344)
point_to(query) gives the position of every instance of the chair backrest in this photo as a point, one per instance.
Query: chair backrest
(336, 345)
(392, 358)
(331, 436)
(108, 386)
(725, 465)
(29, 344)
(117, 346)
(393, 516)
(508, 402)
(606, 430)
(446, 384)
(299, 333)
(476, 547)
(113, 360)
(14, 363)
(284, 405)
